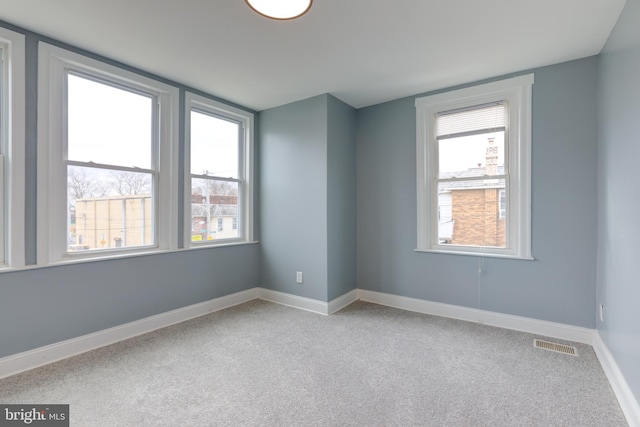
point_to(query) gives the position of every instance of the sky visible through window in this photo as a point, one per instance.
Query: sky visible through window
(113, 126)
(460, 154)
(108, 125)
(214, 146)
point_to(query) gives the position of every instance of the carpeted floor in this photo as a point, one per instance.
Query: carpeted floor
(262, 364)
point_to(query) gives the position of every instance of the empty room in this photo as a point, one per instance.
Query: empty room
(363, 213)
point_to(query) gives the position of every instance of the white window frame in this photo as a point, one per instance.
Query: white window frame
(245, 168)
(12, 157)
(53, 65)
(516, 92)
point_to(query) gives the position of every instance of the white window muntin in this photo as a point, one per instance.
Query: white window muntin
(54, 66)
(244, 179)
(516, 93)
(12, 137)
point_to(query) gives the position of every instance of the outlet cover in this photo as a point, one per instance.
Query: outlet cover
(299, 277)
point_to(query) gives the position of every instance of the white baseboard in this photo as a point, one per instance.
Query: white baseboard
(308, 304)
(628, 403)
(517, 323)
(294, 301)
(31, 359)
(343, 301)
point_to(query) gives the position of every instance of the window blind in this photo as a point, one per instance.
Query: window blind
(469, 121)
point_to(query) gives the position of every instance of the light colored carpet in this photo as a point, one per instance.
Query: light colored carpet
(262, 364)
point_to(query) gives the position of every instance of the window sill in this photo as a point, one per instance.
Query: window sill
(106, 256)
(476, 254)
(220, 245)
(114, 257)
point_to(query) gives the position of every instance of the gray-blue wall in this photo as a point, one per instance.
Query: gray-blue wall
(308, 209)
(618, 285)
(44, 305)
(341, 198)
(293, 192)
(559, 285)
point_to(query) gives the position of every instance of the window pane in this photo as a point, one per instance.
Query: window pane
(470, 156)
(214, 210)
(108, 125)
(470, 214)
(214, 146)
(109, 209)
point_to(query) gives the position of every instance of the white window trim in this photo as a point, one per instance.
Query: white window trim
(12, 156)
(52, 235)
(517, 91)
(245, 171)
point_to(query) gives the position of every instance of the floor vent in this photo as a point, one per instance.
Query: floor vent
(558, 348)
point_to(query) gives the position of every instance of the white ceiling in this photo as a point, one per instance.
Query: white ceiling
(362, 51)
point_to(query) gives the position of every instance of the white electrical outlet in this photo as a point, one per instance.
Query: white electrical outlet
(602, 312)
(299, 277)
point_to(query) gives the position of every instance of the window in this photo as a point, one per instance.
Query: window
(12, 125)
(106, 154)
(218, 181)
(473, 163)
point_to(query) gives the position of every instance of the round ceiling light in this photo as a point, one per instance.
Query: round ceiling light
(280, 9)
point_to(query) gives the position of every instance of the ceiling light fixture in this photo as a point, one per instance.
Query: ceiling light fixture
(280, 9)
